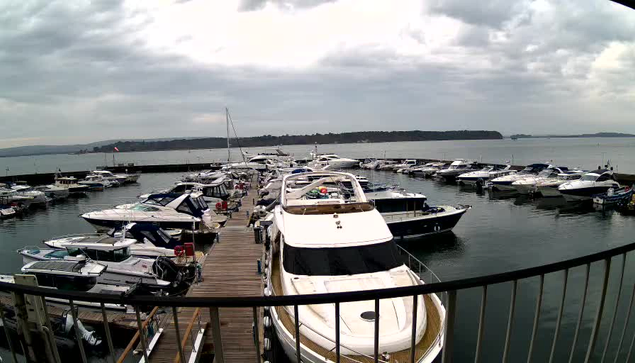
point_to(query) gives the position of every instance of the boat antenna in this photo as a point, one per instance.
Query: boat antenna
(230, 121)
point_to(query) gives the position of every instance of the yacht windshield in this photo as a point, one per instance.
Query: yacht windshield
(589, 177)
(341, 261)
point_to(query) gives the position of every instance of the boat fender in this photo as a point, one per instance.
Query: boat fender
(267, 343)
(267, 322)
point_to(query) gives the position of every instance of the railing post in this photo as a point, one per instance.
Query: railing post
(177, 331)
(628, 318)
(617, 304)
(481, 326)
(77, 334)
(413, 337)
(449, 327)
(111, 348)
(559, 320)
(219, 356)
(376, 336)
(296, 313)
(256, 334)
(598, 316)
(510, 321)
(142, 335)
(581, 314)
(337, 332)
(536, 318)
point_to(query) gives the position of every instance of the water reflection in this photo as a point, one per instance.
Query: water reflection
(444, 243)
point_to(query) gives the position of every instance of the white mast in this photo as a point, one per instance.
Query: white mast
(227, 121)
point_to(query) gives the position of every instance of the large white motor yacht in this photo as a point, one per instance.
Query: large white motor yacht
(590, 184)
(188, 212)
(458, 167)
(427, 170)
(332, 162)
(484, 175)
(504, 183)
(549, 187)
(528, 185)
(350, 248)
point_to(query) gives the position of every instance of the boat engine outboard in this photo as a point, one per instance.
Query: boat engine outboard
(167, 270)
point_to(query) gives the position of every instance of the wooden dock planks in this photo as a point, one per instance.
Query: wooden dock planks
(230, 269)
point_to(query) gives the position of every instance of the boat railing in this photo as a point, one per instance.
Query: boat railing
(601, 329)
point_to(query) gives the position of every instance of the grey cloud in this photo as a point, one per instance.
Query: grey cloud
(488, 12)
(251, 5)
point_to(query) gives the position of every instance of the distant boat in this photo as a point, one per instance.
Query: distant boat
(514, 137)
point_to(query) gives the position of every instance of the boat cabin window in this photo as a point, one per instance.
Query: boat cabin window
(180, 189)
(145, 208)
(399, 205)
(589, 177)
(161, 199)
(341, 261)
(604, 177)
(69, 283)
(190, 206)
(118, 255)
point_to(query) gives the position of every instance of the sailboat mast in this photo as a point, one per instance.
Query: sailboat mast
(227, 121)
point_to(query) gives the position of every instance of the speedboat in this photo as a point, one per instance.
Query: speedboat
(370, 164)
(409, 216)
(97, 182)
(351, 248)
(122, 267)
(427, 170)
(455, 169)
(148, 240)
(70, 183)
(188, 212)
(549, 187)
(212, 193)
(405, 166)
(7, 211)
(332, 162)
(54, 192)
(528, 185)
(504, 183)
(67, 275)
(35, 197)
(592, 183)
(484, 175)
(114, 179)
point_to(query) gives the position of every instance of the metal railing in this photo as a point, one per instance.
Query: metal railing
(450, 288)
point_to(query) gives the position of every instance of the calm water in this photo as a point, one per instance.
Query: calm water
(585, 153)
(497, 235)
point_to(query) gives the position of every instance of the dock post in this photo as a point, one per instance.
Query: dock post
(216, 334)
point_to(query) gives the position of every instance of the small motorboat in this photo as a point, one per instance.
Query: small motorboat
(54, 192)
(613, 196)
(484, 175)
(458, 167)
(71, 183)
(590, 184)
(504, 183)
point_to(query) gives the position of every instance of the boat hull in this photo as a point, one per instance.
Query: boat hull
(424, 225)
(583, 193)
(549, 191)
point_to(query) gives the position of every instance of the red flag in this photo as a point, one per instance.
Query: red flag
(116, 149)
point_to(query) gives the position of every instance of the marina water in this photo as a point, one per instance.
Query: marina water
(498, 234)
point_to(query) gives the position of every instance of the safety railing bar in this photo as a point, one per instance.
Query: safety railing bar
(136, 336)
(559, 319)
(256, 333)
(628, 318)
(448, 343)
(481, 326)
(6, 332)
(219, 355)
(413, 335)
(510, 320)
(111, 347)
(330, 298)
(598, 316)
(581, 313)
(142, 334)
(337, 332)
(376, 334)
(177, 332)
(78, 336)
(617, 304)
(296, 315)
(536, 318)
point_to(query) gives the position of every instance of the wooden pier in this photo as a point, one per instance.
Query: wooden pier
(230, 269)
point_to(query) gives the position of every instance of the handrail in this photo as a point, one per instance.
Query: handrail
(251, 301)
(134, 339)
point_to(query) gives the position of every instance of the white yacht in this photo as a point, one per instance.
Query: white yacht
(114, 179)
(428, 169)
(212, 193)
(332, 162)
(35, 197)
(54, 192)
(484, 175)
(458, 167)
(97, 182)
(590, 184)
(528, 184)
(188, 212)
(504, 183)
(405, 166)
(71, 183)
(349, 233)
(549, 187)
(148, 240)
(122, 267)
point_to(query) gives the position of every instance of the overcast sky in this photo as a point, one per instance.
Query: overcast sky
(81, 71)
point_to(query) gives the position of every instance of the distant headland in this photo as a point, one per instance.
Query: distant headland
(599, 134)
